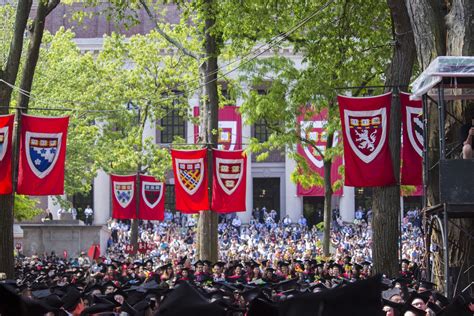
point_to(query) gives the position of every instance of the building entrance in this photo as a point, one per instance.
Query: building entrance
(266, 193)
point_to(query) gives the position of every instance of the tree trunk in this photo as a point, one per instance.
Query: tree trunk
(10, 74)
(207, 226)
(327, 200)
(439, 31)
(386, 201)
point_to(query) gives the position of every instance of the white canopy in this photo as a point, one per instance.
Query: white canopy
(452, 67)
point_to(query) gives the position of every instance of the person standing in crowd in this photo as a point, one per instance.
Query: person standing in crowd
(468, 140)
(88, 213)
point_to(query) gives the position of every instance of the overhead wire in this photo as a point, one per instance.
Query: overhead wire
(271, 44)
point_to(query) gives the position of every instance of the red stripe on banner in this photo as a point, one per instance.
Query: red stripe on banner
(230, 128)
(6, 132)
(412, 141)
(152, 199)
(314, 129)
(123, 190)
(42, 155)
(191, 183)
(365, 129)
(229, 181)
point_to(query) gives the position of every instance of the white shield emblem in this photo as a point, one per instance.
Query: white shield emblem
(229, 173)
(315, 131)
(366, 132)
(227, 135)
(415, 129)
(123, 192)
(152, 192)
(190, 174)
(3, 141)
(42, 151)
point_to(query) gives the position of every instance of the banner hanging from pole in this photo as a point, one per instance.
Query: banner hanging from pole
(152, 199)
(230, 128)
(365, 128)
(123, 196)
(229, 181)
(412, 141)
(6, 132)
(191, 183)
(42, 155)
(314, 129)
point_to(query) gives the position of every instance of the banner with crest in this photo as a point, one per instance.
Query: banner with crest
(365, 129)
(124, 204)
(152, 199)
(6, 132)
(314, 129)
(412, 141)
(229, 181)
(230, 128)
(190, 177)
(42, 155)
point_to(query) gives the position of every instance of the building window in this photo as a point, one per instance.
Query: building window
(261, 131)
(170, 198)
(172, 125)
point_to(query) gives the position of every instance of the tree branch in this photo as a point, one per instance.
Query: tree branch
(171, 40)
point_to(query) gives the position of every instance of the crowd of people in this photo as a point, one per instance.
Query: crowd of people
(261, 266)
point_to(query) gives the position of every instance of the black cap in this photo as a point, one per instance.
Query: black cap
(426, 285)
(71, 299)
(98, 308)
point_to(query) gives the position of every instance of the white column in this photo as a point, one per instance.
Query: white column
(294, 203)
(347, 204)
(53, 206)
(150, 130)
(246, 134)
(101, 198)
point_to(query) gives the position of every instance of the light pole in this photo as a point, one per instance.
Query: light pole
(134, 226)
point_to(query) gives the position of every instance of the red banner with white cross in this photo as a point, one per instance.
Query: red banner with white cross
(42, 155)
(191, 183)
(229, 181)
(314, 129)
(6, 132)
(152, 199)
(412, 141)
(365, 129)
(230, 128)
(124, 204)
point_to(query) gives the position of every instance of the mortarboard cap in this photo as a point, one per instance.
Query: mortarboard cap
(71, 299)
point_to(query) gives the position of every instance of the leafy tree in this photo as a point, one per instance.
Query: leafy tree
(340, 48)
(25, 208)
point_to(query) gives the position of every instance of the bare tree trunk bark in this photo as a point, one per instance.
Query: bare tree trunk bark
(11, 72)
(444, 28)
(207, 226)
(386, 202)
(327, 200)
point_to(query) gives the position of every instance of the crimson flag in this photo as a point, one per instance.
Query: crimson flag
(152, 199)
(229, 181)
(365, 128)
(42, 155)
(230, 128)
(123, 197)
(190, 176)
(412, 142)
(6, 131)
(314, 129)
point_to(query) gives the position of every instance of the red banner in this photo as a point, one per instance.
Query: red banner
(314, 129)
(6, 132)
(230, 128)
(365, 128)
(42, 155)
(190, 176)
(412, 141)
(123, 197)
(229, 181)
(152, 199)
